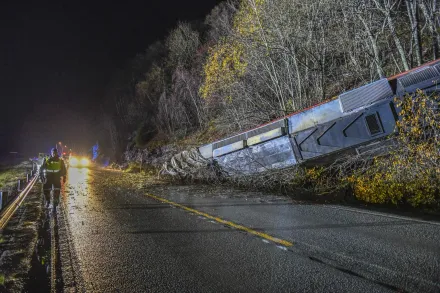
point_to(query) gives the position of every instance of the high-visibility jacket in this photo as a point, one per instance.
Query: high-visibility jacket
(54, 165)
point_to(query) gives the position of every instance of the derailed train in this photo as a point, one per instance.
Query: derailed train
(355, 120)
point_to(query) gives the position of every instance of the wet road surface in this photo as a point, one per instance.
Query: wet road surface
(160, 238)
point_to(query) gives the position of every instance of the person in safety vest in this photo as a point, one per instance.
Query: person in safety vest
(53, 169)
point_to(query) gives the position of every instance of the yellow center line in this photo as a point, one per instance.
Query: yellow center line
(220, 220)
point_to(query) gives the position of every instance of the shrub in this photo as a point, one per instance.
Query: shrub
(133, 167)
(144, 134)
(411, 173)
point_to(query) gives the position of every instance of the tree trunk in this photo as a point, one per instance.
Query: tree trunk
(412, 8)
(432, 26)
(142, 160)
(374, 47)
(386, 10)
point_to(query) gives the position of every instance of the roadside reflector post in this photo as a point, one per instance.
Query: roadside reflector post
(3, 199)
(18, 186)
(27, 177)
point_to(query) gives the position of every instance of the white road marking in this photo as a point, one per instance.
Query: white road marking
(370, 267)
(383, 215)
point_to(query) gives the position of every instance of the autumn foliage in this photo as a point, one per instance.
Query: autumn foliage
(252, 61)
(223, 67)
(411, 172)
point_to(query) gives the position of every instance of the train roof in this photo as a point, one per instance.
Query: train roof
(391, 79)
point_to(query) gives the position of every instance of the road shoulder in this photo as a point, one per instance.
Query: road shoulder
(18, 241)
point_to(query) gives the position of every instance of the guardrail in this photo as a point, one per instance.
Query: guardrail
(12, 190)
(10, 203)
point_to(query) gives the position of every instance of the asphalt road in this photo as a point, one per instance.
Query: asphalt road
(162, 238)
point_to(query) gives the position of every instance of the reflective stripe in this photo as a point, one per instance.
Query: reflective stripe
(53, 164)
(53, 171)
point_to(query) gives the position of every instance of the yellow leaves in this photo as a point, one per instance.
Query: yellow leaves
(225, 64)
(290, 106)
(411, 173)
(247, 20)
(314, 173)
(376, 188)
(417, 117)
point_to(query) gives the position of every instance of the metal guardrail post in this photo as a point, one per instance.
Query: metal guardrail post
(3, 199)
(19, 185)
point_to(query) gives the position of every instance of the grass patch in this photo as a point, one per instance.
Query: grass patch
(203, 136)
(28, 223)
(2, 279)
(206, 135)
(10, 175)
(146, 169)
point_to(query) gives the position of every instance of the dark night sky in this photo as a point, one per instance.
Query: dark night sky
(56, 57)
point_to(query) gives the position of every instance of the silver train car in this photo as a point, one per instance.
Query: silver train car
(348, 123)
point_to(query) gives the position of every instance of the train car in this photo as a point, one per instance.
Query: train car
(355, 121)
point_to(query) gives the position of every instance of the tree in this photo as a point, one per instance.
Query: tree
(220, 20)
(182, 44)
(431, 13)
(387, 7)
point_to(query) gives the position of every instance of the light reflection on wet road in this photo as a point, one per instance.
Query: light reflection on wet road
(128, 242)
(78, 177)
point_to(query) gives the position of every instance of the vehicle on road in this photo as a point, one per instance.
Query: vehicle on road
(79, 162)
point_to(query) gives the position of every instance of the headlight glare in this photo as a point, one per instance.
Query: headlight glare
(73, 162)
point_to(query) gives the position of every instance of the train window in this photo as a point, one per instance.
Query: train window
(373, 124)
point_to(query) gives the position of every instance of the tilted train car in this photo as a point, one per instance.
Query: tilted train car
(353, 120)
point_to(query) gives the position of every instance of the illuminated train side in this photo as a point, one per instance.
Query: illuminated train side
(360, 117)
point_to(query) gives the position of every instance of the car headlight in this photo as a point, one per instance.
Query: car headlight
(84, 162)
(73, 162)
